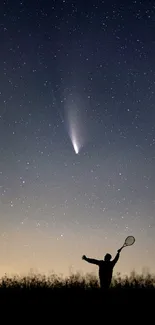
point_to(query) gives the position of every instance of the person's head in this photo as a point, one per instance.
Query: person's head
(107, 257)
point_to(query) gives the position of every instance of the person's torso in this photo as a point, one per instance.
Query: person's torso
(105, 269)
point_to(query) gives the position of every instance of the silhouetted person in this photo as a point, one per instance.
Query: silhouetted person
(105, 268)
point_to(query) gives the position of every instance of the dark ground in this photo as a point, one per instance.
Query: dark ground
(33, 302)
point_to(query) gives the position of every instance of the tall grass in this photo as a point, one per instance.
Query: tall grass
(89, 281)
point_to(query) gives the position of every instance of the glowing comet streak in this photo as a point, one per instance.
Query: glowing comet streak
(75, 148)
(75, 127)
(74, 130)
(74, 143)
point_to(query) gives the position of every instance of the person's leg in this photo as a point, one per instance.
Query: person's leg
(104, 285)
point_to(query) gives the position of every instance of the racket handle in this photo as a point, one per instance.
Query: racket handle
(119, 250)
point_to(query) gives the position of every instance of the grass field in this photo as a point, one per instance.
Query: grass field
(76, 297)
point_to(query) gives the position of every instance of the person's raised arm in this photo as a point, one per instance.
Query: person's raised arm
(115, 260)
(90, 260)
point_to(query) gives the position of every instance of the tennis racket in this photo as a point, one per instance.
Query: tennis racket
(128, 242)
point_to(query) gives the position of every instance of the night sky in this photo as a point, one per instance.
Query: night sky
(77, 134)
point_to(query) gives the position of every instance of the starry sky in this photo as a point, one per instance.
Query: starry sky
(76, 76)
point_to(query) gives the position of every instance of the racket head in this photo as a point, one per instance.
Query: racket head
(129, 241)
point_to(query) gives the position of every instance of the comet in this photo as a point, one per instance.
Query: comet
(76, 149)
(75, 117)
(74, 140)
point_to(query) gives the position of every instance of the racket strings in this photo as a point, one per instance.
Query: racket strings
(129, 241)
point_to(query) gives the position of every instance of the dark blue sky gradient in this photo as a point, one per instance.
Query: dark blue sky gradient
(95, 58)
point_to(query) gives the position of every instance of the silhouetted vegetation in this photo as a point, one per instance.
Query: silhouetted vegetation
(74, 281)
(39, 294)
